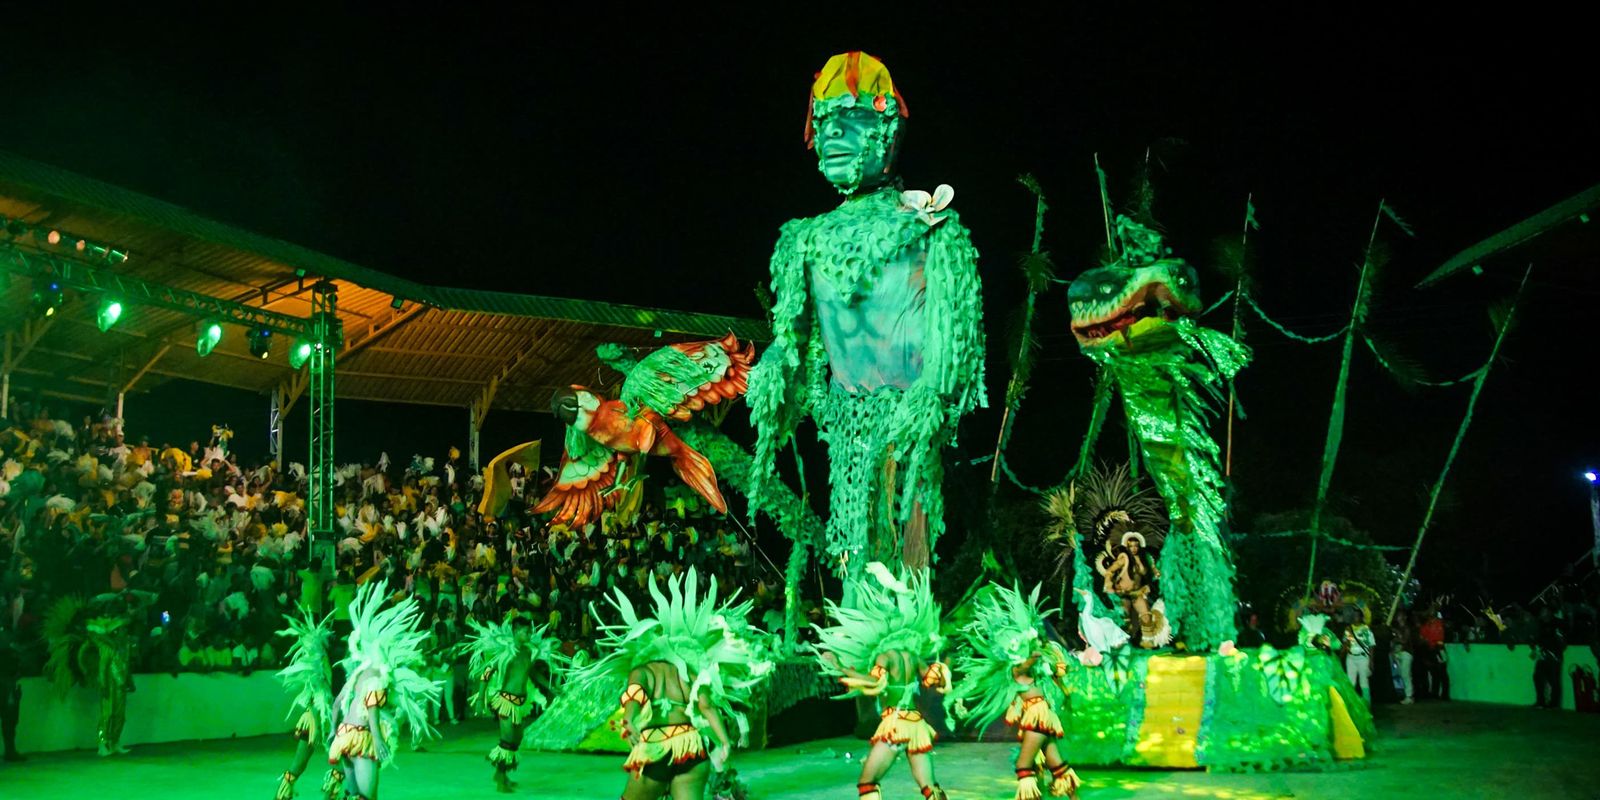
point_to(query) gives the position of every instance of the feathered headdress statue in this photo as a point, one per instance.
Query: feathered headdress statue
(1007, 629)
(309, 675)
(717, 653)
(890, 613)
(387, 645)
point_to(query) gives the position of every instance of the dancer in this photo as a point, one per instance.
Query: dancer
(517, 665)
(886, 647)
(687, 671)
(1011, 668)
(384, 692)
(310, 677)
(91, 645)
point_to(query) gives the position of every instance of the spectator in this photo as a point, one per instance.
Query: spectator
(1548, 650)
(1435, 675)
(1358, 643)
(1403, 643)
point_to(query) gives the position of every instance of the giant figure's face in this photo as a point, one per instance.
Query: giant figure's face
(856, 145)
(1131, 308)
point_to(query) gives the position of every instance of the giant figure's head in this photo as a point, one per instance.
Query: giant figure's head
(855, 122)
(1131, 303)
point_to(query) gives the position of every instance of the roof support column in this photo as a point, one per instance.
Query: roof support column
(325, 338)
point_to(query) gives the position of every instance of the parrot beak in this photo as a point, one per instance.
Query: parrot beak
(564, 404)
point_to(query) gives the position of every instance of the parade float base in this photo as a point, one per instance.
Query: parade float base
(1253, 710)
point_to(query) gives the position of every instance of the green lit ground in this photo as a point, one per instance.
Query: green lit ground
(1431, 751)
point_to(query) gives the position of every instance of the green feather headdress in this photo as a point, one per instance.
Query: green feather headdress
(309, 675)
(889, 614)
(492, 646)
(717, 654)
(1006, 630)
(389, 642)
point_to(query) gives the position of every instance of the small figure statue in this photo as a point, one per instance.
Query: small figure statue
(1130, 572)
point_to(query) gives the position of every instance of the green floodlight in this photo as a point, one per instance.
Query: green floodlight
(206, 340)
(300, 353)
(110, 311)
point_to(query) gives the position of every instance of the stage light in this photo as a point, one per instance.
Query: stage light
(300, 353)
(53, 237)
(206, 339)
(1591, 476)
(47, 301)
(261, 342)
(110, 311)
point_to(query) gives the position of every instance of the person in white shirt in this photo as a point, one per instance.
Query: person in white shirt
(1358, 644)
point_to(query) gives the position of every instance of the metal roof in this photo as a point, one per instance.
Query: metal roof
(443, 346)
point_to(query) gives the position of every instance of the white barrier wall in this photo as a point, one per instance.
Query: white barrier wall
(165, 708)
(1495, 673)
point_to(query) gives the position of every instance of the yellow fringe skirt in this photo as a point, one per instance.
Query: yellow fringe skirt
(306, 727)
(679, 744)
(1034, 714)
(351, 741)
(905, 727)
(508, 706)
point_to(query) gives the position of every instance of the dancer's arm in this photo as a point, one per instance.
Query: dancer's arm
(719, 754)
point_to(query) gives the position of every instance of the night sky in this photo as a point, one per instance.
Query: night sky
(630, 160)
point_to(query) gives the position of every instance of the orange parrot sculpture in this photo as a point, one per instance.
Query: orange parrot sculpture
(603, 435)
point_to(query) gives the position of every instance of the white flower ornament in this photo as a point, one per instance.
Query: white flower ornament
(927, 205)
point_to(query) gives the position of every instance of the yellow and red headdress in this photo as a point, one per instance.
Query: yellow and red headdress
(854, 73)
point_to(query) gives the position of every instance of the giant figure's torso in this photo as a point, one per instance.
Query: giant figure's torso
(864, 271)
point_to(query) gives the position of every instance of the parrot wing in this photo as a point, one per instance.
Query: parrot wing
(588, 469)
(680, 379)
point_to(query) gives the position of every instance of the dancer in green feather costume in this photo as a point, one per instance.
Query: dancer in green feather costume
(1011, 668)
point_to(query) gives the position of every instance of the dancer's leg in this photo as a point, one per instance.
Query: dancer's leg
(364, 774)
(1404, 659)
(691, 785)
(922, 772)
(642, 788)
(1027, 765)
(1063, 779)
(297, 767)
(873, 768)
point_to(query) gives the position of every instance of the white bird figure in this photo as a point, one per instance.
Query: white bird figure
(1101, 633)
(887, 578)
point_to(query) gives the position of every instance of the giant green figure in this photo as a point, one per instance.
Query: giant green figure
(1135, 317)
(877, 329)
